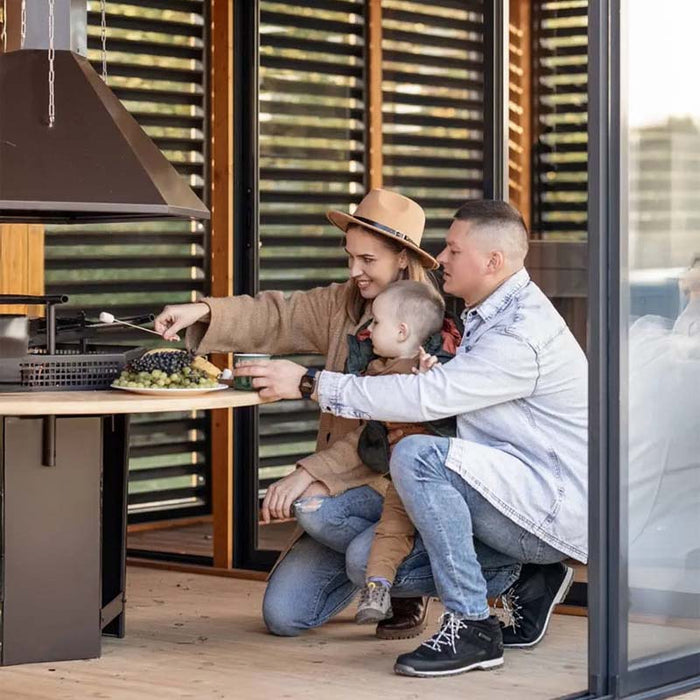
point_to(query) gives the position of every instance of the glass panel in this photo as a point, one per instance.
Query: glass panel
(663, 360)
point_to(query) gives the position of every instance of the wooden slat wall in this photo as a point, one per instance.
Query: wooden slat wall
(157, 63)
(21, 264)
(560, 104)
(433, 92)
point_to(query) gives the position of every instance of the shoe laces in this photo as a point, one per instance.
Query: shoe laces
(447, 635)
(510, 602)
(373, 593)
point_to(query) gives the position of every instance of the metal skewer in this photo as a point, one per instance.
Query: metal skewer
(109, 318)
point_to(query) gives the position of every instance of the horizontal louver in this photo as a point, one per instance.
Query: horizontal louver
(433, 105)
(156, 63)
(560, 108)
(311, 107)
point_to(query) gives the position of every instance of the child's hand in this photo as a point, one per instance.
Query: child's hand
(425, 362)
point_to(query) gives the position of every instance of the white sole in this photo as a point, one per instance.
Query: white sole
(403, 670)
(559, 598)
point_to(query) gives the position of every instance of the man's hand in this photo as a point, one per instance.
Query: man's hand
(425, 362)
(281, 495)
(276, 379)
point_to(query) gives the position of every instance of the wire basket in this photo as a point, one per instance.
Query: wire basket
(69, 368)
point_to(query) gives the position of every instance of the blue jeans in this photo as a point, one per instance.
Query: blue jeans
(483, 549)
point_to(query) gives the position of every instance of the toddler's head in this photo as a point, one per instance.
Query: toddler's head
(405, 315)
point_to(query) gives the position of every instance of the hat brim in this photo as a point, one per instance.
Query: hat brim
(343, 220)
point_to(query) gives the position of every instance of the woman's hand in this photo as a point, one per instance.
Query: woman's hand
(425, 362)
(276, 379)
(281, 495)
(175, 317)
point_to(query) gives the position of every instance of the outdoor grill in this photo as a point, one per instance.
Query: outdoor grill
(53, 354)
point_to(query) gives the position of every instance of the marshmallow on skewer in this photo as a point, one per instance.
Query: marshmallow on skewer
(106, 317)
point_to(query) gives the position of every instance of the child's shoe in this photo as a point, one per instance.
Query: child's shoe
(374, 605)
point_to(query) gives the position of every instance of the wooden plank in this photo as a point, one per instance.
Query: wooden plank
(86, 403)
(21, 264)
(520, 155)
(35, 265)
(173, 524)
(221, 264)
(222, 572)
(375, 139)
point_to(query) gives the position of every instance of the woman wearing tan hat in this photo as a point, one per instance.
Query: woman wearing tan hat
(382, 240)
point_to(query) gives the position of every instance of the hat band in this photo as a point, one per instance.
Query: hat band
(386, 229)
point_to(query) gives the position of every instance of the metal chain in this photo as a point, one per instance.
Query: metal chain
(52, 74)
(103, 36)
(24, 23)
(4, 26)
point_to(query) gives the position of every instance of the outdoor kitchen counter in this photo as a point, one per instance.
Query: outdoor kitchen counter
(86, 403)
(63, 511)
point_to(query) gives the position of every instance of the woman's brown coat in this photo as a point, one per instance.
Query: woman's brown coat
(313, 322)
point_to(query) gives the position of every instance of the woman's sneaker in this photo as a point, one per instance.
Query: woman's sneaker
(529, 602)
(374, 605)
(459, 646)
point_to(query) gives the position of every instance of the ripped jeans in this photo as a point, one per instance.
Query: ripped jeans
(320, 575)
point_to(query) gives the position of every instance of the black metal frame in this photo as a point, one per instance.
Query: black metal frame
(496, 95)
(246, 232)
(610, 672)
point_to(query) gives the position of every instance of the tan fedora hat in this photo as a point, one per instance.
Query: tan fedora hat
(392, 215)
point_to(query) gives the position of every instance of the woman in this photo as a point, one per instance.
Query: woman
(340, 496)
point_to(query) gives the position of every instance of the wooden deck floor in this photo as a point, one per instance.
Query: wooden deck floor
(201, 637)
(197, 538)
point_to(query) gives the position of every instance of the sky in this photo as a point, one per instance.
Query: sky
(663, 60)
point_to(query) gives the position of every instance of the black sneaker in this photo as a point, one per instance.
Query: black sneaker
(459, 646)
(530, 601)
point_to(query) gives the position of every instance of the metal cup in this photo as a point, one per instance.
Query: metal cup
(242, 358)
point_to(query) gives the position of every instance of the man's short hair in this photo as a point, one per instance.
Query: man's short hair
(417, 304)
(498, 221)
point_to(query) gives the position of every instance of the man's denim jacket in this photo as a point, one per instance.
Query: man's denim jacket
(518, 386)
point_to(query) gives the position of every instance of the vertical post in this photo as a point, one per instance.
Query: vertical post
(520, 108)
(221, 263)
(246, 234)
(375, 140)
(601, 644)
(496, 62)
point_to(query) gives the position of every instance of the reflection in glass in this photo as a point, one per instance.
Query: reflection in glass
(663, 402)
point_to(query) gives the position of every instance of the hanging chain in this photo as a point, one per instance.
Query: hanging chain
(52, 74)
(23, 29)
(4, 26)
(103, 36)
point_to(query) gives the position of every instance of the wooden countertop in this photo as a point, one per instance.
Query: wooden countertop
(74, 403)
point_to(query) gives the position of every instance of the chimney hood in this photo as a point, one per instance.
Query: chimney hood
(95, 163)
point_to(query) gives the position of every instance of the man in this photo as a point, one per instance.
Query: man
(515, 477)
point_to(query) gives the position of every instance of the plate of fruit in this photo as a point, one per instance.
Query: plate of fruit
(169, 371)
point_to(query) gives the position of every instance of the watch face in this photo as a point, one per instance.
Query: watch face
(306, 385)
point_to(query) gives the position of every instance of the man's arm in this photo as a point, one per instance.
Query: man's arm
(499, 368)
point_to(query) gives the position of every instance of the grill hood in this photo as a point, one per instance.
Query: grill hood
(95, 164)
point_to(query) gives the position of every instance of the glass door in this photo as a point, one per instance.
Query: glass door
(660, 339)
(644, 598)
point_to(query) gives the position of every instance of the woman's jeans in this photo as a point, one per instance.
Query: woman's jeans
(475, 550)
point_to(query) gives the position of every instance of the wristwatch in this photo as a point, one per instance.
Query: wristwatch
(308, 383)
